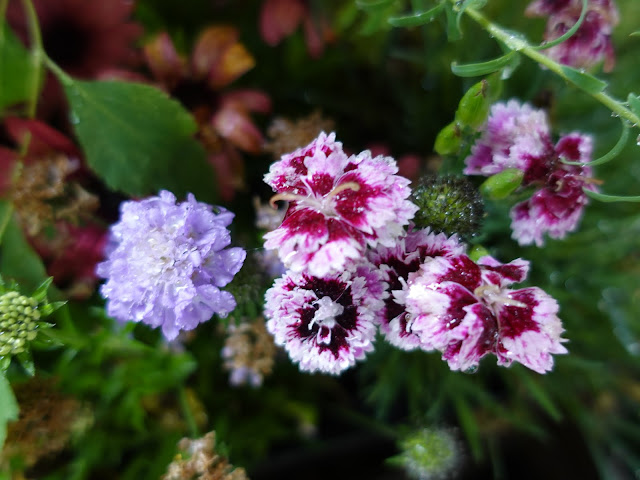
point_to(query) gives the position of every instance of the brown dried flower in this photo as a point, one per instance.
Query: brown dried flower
(248, 352)
(42, 194)
(46, 423)
(198, 460)
(288, 135)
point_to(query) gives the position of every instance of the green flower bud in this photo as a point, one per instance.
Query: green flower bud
(429, 454)
(448, 204)
(502, 184)
(19, 315)
(448, 140)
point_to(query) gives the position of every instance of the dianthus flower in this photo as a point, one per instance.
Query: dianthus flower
(515, 136)
(518, 137)
(326, 323)
(165, 263)
(591, 43)
(466, 310)
(338, 206)
(395, 264)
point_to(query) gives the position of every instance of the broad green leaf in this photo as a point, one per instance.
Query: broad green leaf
(610, 198)
(8, 407)
(482, 68)
(502, 184)
(448, 140)
(417, 19)
(15, 69)
(585, 81)
(138, 139)
(18, 261)
(373, 4)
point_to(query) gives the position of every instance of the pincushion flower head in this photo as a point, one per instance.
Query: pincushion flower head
(166, 262)
(339, 204)
(467, 310)
(518, 136)
(396, 264)
(326, 323)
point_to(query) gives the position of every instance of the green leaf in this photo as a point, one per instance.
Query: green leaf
(453, 32)
(613, 153)
(569, 33)
(41, 292)
(634, 103)
(467, 4)
(502, 184)
(585, 81)
(374, 4)
(417, 19)
(17, 259)
(470, 427)
(610, 198)
(448, 140)
(15, 68)
(8, 408)
(635, 34)
(138, 139)
(26, 361)
(482, 68)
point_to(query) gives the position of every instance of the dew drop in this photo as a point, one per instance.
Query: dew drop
(472, 369)
(73, 118)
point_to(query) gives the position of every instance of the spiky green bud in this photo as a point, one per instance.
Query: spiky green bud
(448, 204)
(429, 454)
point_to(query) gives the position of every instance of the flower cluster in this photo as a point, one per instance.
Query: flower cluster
(519, 136)
(353, 269)
(166, 263)
(591, 44)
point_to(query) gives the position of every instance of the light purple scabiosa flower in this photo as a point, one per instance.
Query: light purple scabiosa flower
(466, 311)
(557, 206)
(591, 44)
(396, 264)
(339, 204)
(515, 136)
(518, 136)
(165, 263)
(326, 323)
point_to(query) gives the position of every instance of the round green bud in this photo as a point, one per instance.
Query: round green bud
(448, 204)
(430, 453)
(18, 322)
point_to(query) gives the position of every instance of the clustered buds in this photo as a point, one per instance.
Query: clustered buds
(19, 317)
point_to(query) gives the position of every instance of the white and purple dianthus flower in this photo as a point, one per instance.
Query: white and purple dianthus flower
(466, 311)
(326, 323)
(339, 204)
(165, 263)
(395, 264)
(591, 44)
(518, 136)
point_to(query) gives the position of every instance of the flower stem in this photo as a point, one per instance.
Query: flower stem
(194, 431)
(37, 56)
(520, 44)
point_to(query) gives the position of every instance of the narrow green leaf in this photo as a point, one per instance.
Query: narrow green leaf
(8, 407)
(610, 198)
(540, 395)
(466, 4)
(635, 34)
(417, 19)
(373, 4)
(138, 139)
(15, 68)
(41, 292)
(613, 153)
(26, 362)
(585, 81)
(470, 427)
(453, 32)
(569, 33)
(482, 68)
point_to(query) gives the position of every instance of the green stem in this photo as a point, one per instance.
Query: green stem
(37, 56)
(194, 432)
(65, 79)
(519, 44)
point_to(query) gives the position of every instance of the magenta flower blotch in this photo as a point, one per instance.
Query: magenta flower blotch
(467, 310)
(326, 323)
(339, 204)
(165, 263)
(518, 136)
(591, 44)
(396, 264)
